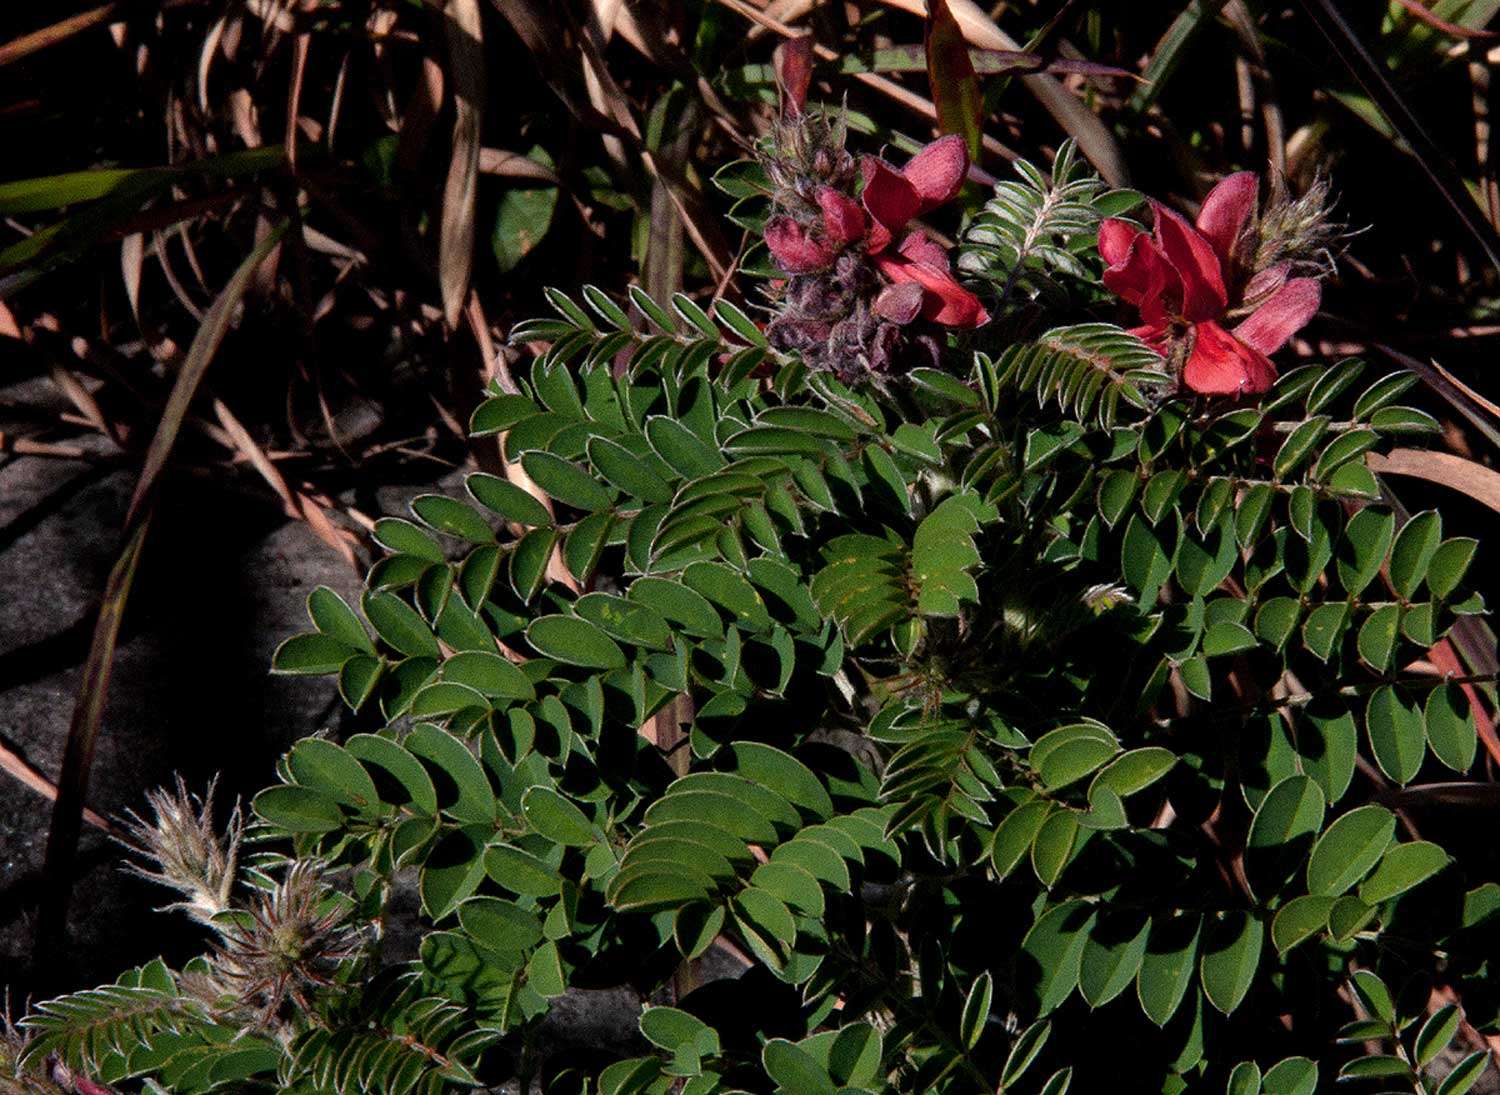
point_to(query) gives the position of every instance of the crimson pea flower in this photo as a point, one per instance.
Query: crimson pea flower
(1182, 278)
(919, 274)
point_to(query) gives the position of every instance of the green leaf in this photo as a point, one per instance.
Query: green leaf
(1244, 1080)
(1025, 1051)
(1055, 947)
(555, 818)
(405, 538)
(508, 500)
(1327, 743)
(502, 927)
(1377, 636)
(976, 1011)
(299, 809)
(323, 766)
(1117, 489)
(1054, 845)
(358, 677)
(1299, 920)
(334, 618)
(671, 1029)
(453, 517)
(565, 481)
(310, 653)
(1404, 420)
(521, 872)
(627, 471)
(398, 624)
(1436, 1033)
(1168, 965)
(682, 449)
(1293, 1076)
(395, 768)
(1073, 760)
(1112, 957)
(452, 870)
(1145, 561)
(490, 675)
(1348, 917)
(472, 798)
(1451, 731)
(1134, 771)
(728, 589)
(1227, 637)
(523, 216)
(686, 608)
(1324, 627)
(1282, 833)
(575, 641)
(1015, 833)
(1379, 1066)
(1397, 734)
(1299, 446)
(766, 924)
(528, 563)
(1231, 955)
(1057, 1083)
(585, 544)
(1449, 563)
(1348, 849)
(1413, 552)
(1465, 1074)
(788, 776)
(794, 1070)
(1402, 867)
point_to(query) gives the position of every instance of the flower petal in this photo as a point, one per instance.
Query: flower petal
(944, 300)
(1221, 364)
(900, 302)
(889, 198)
(1193, 257)
(937, 171)
(1263, 284)
(1138, 272)
(843, 219)
(793, 63)
(795, 249)
(921, 248)
(1282, 315)
(1226, 209)
(1115, 238)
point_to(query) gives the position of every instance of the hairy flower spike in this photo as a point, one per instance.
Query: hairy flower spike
(289, 941)
(188, 853)
(858, 304)
(1299, 231)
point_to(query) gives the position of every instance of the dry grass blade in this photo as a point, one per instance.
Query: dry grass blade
(296, 504)
(889, 88)
(1465, 476)
(460, 194)
(16, 765)
(1373, 76)
(60, 31)
(1483, 415)
(83, 731)
(1093, 137)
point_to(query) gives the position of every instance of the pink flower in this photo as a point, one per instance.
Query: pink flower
(889, 201)
(1180, 277)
